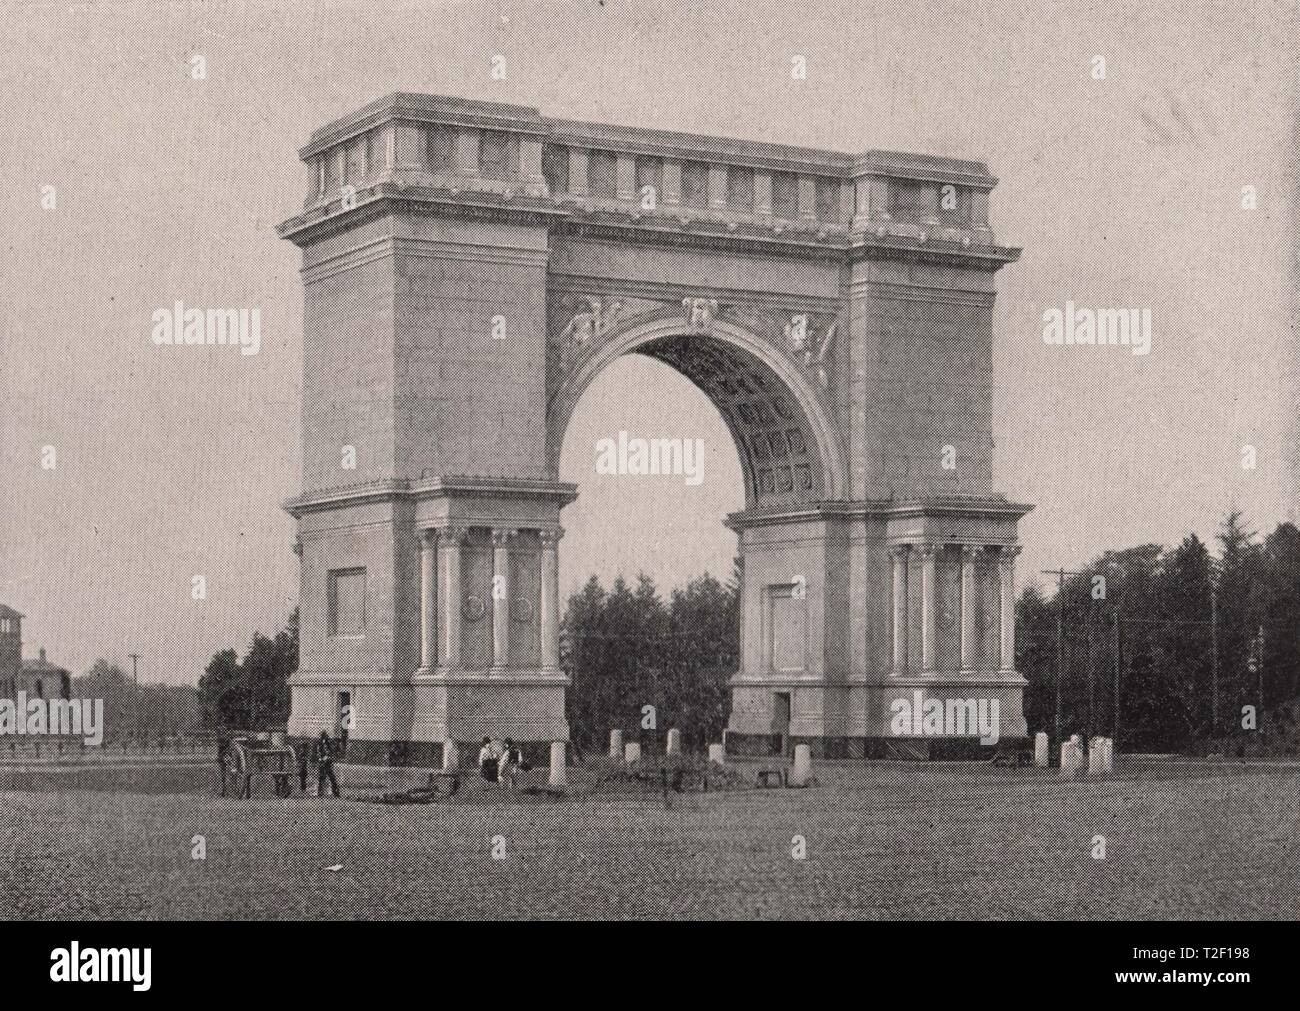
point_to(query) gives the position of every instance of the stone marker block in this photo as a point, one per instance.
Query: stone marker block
(1069, 768)
(615, 743)
(1096, 764)
(450, 755)
(717, 754)
(559, 764)
(1040, 750)
(802, 771)
(674, 742)
(631, 753)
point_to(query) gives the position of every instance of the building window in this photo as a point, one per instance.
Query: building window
(785, 195)
(344, 716)
(695, 184)
(650, 172)
(439, 147)
(555, 168)
(346, 601)
(740, 188)
(602, 174)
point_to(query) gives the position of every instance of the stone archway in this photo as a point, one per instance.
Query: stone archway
(470, 267)
(771, 410)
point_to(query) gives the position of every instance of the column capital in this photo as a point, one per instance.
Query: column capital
(428, 537)
(971, 551)
(899, 550)
(926, 549)
(550, 537)
(454, 532)
(501, 536)
(1007, 553)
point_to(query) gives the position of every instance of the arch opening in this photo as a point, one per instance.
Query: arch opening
(785, 442)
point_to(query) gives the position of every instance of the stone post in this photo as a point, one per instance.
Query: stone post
(672, 194)
(1007, 607)
(1094, 756)
(969, 554)
(632, 752)
(428, 599)
(928, 630)
(1068, 766)
(1040, 750)
(716, 754)
(501, 596)
(550, 624)
(674, 742)
(559, 764)
(467, 154)
(802, 771)
(807, 198)
(626, 178)
(451, 538)
(615, 744)
(717, 187)
(450, 755)
(899, 553)
(530, 160)
(763, 193)
(578, 172)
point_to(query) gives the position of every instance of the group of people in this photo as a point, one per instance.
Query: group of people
(501, 762)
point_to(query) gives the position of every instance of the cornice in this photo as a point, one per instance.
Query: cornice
(395, 489)
(974, 507)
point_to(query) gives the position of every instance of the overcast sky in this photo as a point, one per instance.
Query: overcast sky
(1125, 192)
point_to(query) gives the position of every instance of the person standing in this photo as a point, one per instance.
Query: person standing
(302, 767)
(509, 765)
(487, 760)
(323, 756)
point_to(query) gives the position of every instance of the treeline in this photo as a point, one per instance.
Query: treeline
(627, 649)
(251, 693)
(134, 711)
(1158, 618)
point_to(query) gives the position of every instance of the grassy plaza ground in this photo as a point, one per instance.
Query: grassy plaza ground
(1191, 840)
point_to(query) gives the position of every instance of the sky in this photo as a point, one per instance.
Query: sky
(1124, 191)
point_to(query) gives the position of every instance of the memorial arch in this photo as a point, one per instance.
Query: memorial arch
(469, 268)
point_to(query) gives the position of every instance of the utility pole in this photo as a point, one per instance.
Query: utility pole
(1092, 679)
(135, 672)
(1259, 664)
(1214, 661)
(1060, 575)
(1119, 666)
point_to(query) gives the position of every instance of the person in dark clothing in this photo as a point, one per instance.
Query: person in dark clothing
(323, 756)
(488, 756)
(302, 767)
(223, 759)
